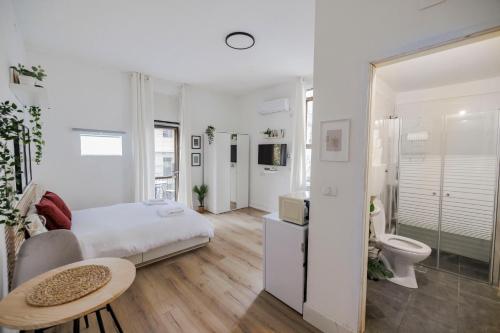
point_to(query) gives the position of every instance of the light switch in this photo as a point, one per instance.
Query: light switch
(329, 191)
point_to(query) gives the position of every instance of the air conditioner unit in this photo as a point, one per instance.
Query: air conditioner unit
(276, 105)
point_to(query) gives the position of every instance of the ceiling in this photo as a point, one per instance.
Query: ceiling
(475, 61)
(179, 40)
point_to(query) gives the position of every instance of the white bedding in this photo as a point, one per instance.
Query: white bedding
(126, 229)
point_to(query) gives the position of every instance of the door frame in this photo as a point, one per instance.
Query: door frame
(410, 53)
(174, 126)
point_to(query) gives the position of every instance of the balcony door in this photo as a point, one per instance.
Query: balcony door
(166, 160)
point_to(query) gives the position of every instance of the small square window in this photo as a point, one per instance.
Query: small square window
(100, 144)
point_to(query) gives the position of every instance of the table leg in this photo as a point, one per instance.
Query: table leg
(76, 325)
(99, 321)
(115, 320)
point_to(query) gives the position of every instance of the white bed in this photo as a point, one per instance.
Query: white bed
(136, 231)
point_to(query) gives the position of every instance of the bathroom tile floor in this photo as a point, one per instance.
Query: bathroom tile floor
(453, 263)
(443, 302)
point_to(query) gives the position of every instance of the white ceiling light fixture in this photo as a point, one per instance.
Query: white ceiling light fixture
(240, 40)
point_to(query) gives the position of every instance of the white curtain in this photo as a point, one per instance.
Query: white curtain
(142, 136)
(185, 191)
(298, 173)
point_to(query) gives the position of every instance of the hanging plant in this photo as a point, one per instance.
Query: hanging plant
(36, 131)
(210, 131)
(36, 72)
(11, 128)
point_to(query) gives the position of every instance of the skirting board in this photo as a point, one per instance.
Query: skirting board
(167, 251)
(259, 207)
(319, 321)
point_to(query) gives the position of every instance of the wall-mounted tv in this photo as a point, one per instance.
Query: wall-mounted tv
(272, 154)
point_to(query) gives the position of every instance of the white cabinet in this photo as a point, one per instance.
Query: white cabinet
(285, 259)
(227, 181)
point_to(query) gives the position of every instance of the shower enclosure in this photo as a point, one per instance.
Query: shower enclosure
(446, 185)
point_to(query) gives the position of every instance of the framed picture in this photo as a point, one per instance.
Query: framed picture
(195, 159)
(335, 140)
(195, 142)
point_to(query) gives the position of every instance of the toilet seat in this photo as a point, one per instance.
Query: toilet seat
(404, 244)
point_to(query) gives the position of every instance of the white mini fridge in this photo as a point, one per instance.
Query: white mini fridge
(285, 261)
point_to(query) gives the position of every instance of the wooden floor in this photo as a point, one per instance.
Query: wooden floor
(217, 288)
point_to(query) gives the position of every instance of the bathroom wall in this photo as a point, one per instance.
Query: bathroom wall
(384, 131)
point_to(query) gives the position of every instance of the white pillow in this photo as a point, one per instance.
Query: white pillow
(35, 224)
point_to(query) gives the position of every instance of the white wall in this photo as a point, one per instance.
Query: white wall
(88, 95)
(210, 108)
(11, 53)
(348, 36)
(265, 188)
(166, 107)
(207, 108)
(383, 106)
(83, 95)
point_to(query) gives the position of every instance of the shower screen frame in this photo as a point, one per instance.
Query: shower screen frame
(494, 261)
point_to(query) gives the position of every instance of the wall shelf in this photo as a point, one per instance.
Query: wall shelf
(279, 134)
(29, 95)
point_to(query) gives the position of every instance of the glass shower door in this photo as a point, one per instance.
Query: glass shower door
(419, 183)
(469, 186)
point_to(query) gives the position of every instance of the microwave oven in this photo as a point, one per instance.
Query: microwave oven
(294, 207)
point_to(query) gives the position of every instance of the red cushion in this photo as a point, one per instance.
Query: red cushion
(58, 202)
(56, 219)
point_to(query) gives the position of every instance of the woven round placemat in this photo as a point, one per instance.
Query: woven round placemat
(69, 285)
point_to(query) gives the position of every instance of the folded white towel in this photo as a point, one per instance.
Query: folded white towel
(166, 212)
(155, 202)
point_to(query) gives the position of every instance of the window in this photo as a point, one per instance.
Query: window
(166, 157)
(168, 133)
(309, 118)
(100, 144)
(167, 165)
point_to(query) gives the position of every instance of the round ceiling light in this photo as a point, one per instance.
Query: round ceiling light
(240, 40)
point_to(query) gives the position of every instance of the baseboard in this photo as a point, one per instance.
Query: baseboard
(319, 321)
(259, 207)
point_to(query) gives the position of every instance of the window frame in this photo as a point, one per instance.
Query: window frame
(176, 127)
(308, 145)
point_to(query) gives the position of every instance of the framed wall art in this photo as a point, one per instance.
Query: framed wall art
(195, 142)
(195, 159)
(335, 140)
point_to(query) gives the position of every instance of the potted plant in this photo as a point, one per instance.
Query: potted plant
(30, 76)
(210, 133)
(201, 193)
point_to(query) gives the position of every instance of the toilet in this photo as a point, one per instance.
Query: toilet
(398, 253)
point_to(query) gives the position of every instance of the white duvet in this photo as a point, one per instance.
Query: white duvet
(126, 229)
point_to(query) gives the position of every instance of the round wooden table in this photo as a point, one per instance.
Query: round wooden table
(15, 313)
